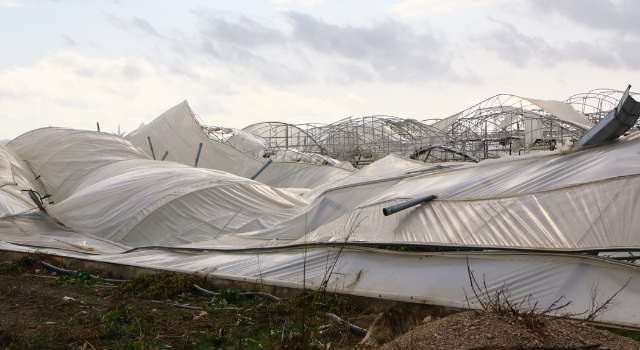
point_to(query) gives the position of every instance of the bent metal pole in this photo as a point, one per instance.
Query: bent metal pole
(195, 165)
(406, 205)
(264, 166)
(151, 146)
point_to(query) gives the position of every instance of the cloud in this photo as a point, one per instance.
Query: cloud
(517, 48)
(392, 50)
(522, 50)
(240, 42)
(68, 41)
(73, 90)
(307, 3)
(617, 15)
(134, 25)
(313, 49)
(413, 8)
(238, 31)
(12, 3)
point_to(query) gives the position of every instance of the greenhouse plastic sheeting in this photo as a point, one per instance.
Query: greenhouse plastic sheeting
(34, 228)
(177, 132)
(15, 178)
(246, 143)
(489, 204)
(564, 112)
(300, 175)
(142, 202)
(588, 216)
(61, 157)
(550, 201)
(389, 167)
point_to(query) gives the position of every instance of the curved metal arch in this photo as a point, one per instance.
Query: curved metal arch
(490, 128)
(282, 136)
(596, 103)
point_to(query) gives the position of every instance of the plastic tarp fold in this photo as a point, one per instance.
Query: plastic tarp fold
(246, 143)
(144, 202)
(446, 123)
(61, 157)
(300, 175)
(564, 112)
(36, 229)
(177, 132)
(588, 216)
(14, 178)
(526, 202)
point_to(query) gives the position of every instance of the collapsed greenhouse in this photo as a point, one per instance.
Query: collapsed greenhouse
(539, 195)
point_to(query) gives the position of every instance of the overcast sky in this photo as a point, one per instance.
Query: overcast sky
(75, 63)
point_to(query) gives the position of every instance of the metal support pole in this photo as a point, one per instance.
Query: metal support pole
(165, 155)
(264, 166)
(195, 165)
(98, 124)
(406, 205)
(151, 146)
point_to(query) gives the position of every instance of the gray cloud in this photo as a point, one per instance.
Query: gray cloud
(68, 41)
(388, 50)
(394, 50)
(239, 41)
(618, 15)
(522, 50)
(135, 24)
(514, 47)
(241, 31)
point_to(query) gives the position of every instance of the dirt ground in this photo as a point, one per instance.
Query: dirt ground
(483, 330)
(36, 314)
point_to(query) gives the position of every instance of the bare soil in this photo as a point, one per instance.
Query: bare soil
(486, 331)
(34, 314)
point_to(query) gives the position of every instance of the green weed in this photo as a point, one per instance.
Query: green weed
(77, 278)
(163, 285)
(225, 298)
(25, 263)
(184, 296)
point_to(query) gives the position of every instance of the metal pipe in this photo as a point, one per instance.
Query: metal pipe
(204, 291)
(246, 294)
(98, 124)
(68, 272)
(406, 205)
(195, 165)
(165, 155)
(264, 166)
(353, 328)
(151, 146)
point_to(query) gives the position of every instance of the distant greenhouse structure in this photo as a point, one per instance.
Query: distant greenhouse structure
(498, 126)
